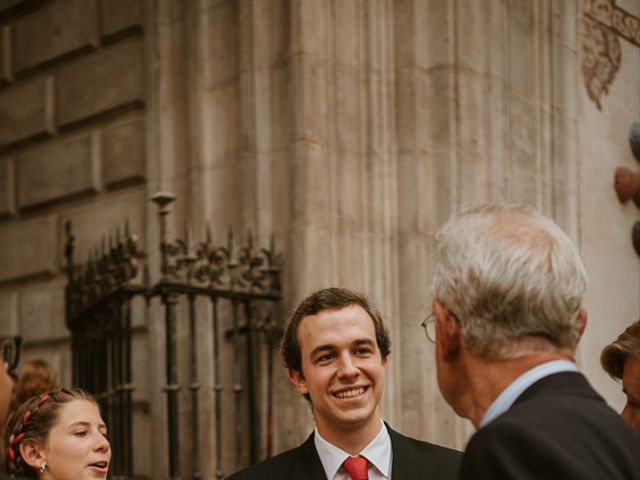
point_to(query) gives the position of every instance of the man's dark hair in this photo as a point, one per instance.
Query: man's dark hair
(329, 299)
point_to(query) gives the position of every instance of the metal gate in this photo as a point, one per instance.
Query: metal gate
(239, 282)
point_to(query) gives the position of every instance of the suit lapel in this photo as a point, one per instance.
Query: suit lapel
(307, 464)
(399, 462)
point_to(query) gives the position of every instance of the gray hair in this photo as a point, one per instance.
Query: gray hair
(512, 278)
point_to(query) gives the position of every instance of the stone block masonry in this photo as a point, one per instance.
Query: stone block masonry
(123, 152)
(28, 248)
(63, 168)
(7, 202)
(105, 81)
(23, 111)
(120, 15)
(72, 121)
(4, 55)
(7, 4)
(58, 29)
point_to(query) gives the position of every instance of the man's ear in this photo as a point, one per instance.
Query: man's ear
(298, 381)
(448, 339)
(32, 454)
(582, 319)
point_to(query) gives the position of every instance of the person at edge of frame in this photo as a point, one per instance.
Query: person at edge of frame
(507, 290)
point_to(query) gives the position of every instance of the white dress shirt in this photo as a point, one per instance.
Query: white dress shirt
(378, 453)
(509, 395)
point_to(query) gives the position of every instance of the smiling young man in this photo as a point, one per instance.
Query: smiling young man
(336, 348)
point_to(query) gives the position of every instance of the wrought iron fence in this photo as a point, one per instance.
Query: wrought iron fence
(99, 297)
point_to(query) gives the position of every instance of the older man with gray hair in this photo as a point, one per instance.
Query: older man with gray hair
(507, 292)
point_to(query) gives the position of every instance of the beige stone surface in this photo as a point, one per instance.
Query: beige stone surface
(109, 79)
(96, 222)
(23, 111)
(60, 28)
(28, 248)
(8, 312)
(62, 168)
(5, 67)
(6, 4)
(119, 15)
(7, 187)
(41, 311)
(123, 152)
(605, 225)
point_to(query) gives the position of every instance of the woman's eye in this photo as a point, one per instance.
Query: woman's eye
(80, 433)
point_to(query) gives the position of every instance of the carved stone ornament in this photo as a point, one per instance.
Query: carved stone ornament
(603, 22)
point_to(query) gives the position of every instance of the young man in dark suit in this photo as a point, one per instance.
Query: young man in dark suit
(336, 348)
(508, 286)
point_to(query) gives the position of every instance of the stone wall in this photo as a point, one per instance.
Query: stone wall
(349, 129)
(72, 147)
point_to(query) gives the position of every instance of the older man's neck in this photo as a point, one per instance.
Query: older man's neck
(488, 378)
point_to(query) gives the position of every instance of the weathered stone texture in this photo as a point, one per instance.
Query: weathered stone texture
(7, 193)
(23, 111)
(8, 312)
(123, 152)
(54, 30)
(28, 248)
(120, 15)
(7, 4)
(4, 57)
(107, 80)
(93, 223)
(41, 311)
(56, 171)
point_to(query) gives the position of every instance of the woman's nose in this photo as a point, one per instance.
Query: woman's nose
(102, 444)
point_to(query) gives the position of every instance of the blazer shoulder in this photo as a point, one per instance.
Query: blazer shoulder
(301, 460)
(274, 467)
(421, 447)
(413, 458)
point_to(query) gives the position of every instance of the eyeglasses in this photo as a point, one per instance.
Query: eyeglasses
(429, 325)
(10, 347)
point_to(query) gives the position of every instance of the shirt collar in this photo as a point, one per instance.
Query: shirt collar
(509, 395)
(377, 452)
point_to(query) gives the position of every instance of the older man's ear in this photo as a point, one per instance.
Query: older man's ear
(582, 318)
(448, 337)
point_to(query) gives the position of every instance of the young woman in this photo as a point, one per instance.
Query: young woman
(58, 435)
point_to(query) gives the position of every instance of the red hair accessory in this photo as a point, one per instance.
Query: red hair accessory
(11, 453)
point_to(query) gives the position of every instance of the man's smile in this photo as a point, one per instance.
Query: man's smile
(352, 392)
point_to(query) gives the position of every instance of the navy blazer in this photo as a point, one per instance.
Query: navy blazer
(559, 428)
(412, 459)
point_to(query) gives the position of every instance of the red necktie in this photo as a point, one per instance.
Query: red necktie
(356, 467)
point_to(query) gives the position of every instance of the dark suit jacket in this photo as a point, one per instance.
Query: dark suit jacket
(559, 428)
(412, 459)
